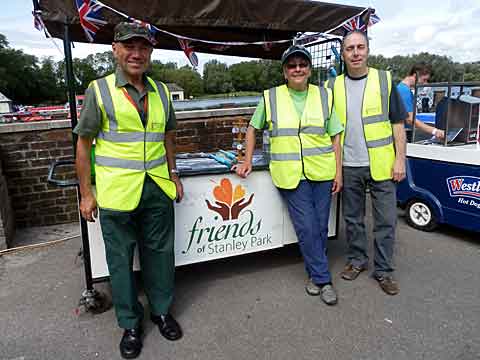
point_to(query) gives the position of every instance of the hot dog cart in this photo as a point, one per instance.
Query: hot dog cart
(443, 177)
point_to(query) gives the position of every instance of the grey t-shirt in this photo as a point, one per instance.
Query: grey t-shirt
(355, 153)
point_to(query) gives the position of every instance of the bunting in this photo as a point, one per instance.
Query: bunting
(90, 16)
(360, 22)
(38, 22)
(91, 20)
(188, 50)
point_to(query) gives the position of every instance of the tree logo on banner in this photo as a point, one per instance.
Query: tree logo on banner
(229, 202)
(234, 231)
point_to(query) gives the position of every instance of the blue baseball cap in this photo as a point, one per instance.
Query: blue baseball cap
(296, 50)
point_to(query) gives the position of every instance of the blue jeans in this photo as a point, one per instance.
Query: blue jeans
(309, 209)
(384, 205)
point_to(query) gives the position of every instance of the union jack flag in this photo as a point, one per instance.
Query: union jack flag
(90, 16)
(38, 22)
(373, 19)
(359, 23)
(188, 50)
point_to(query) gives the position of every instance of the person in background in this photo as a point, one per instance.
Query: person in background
(305, 160)
(132, 121)
(419, 74)
(372, 112)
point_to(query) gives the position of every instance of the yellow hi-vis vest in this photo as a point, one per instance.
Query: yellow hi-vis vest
(376, 124)
(299, 145)
(125, 150)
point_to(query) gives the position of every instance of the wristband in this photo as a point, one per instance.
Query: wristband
(434, 131)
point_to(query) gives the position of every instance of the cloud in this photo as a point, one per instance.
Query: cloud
(428, 26)
(424, 33)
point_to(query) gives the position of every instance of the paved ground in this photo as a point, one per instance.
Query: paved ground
(254, 307)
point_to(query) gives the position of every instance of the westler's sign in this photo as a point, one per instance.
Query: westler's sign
(221, 216)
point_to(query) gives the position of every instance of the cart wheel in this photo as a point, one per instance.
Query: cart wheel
(93, 301)
(420, 216)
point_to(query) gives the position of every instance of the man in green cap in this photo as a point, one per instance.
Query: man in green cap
(131, 119)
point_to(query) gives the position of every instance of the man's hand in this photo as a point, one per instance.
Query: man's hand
(178, 184)
(243, 170)
(337, 183)
(398, 171)
(440, 134)
(88, 207)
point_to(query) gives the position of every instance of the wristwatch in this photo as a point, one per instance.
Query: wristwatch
(174, 171)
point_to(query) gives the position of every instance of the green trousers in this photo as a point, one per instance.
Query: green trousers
(150, 227)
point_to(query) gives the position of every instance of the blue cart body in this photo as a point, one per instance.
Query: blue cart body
(447, 179)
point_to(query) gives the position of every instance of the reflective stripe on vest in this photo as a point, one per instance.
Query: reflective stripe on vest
(376, 124)
(129, 164)
(112, 134)
(126, 150)
(303, 149)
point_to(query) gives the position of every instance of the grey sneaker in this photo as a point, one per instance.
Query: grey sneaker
(311, 288)
(328, 295)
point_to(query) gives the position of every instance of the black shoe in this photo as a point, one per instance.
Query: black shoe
(131, 343)
(168, 326)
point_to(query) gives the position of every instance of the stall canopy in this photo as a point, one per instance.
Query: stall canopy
(211, 22)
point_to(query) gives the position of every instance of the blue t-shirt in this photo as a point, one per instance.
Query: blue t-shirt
(406, 95)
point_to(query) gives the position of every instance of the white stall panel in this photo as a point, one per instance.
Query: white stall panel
(221, 215)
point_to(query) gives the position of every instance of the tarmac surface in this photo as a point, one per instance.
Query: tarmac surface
(255, 307)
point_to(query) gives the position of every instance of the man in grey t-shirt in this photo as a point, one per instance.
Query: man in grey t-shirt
(373, 157)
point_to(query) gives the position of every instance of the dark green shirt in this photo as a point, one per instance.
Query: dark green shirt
(90, 120)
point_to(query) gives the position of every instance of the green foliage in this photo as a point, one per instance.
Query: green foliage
(216, 78)
(256, 75)
(190, 81)
(19, 80)
(3, 41)
(185, 77)
(53, 92)
(444, 68)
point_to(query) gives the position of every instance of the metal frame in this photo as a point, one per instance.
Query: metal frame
(323, 57)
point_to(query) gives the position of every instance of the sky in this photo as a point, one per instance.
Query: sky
(443, 27)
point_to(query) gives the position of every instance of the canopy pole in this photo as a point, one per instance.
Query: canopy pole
(69, 80)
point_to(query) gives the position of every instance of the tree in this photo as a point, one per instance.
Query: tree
(189, 80)
(216, 79)
(19, 80)
(163, 72)
(103, 63)
(245, 75)
(3, 42)
(49, 85)
(271, 75)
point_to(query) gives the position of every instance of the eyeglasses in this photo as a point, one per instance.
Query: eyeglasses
(292, 66)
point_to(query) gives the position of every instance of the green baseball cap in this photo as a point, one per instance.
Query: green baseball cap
(128, 30)
(296, 50)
